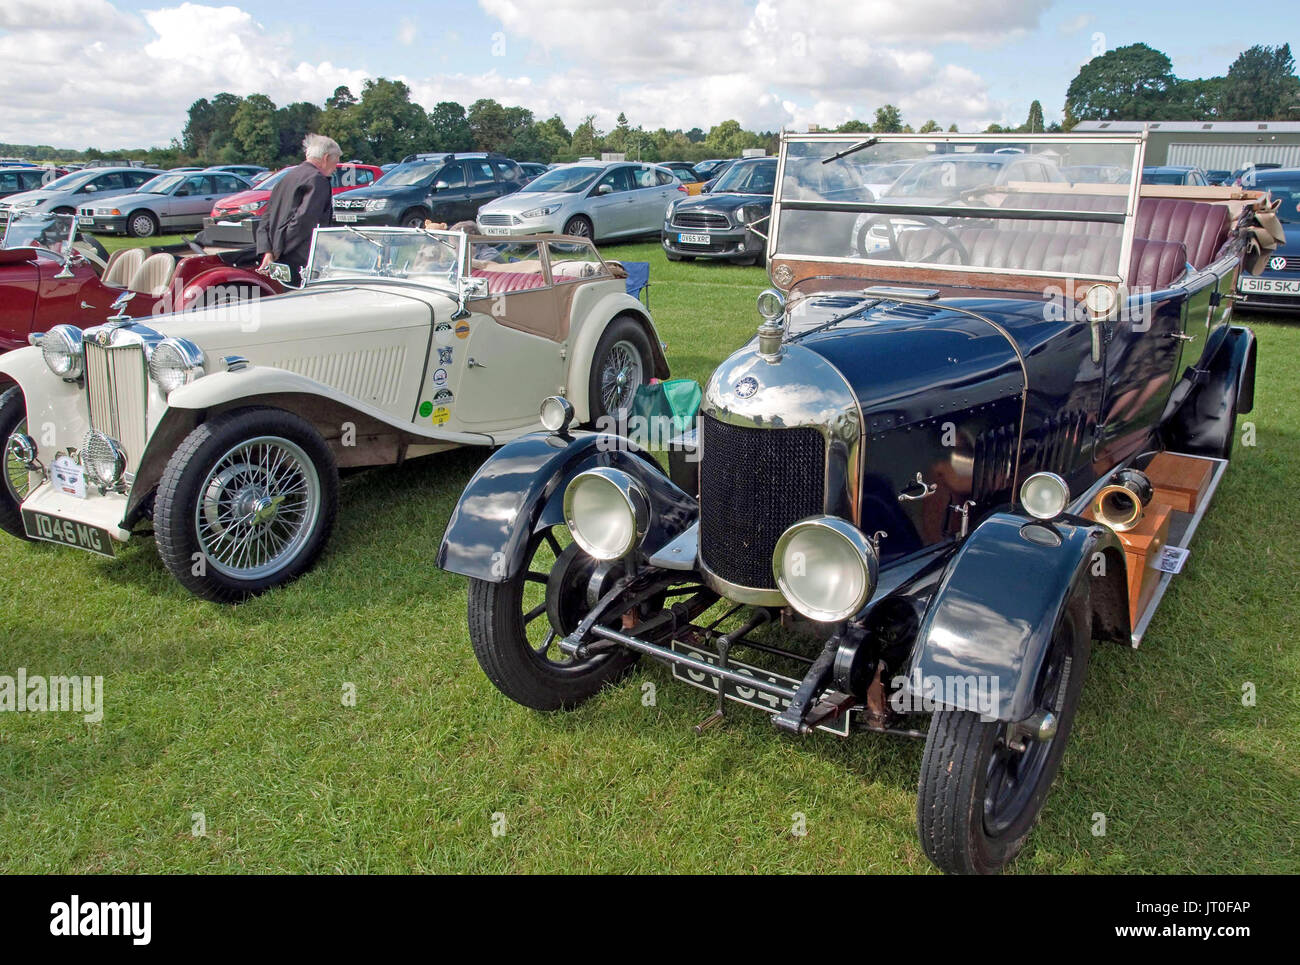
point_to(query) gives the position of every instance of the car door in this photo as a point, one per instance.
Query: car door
(481, 187)
(191, 200)
(611, 203)
(510, 358)
(448, 198)
(651, 198)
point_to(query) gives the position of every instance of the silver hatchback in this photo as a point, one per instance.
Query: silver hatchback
(588, 200)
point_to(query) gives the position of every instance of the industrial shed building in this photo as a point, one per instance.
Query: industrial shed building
(1211, 145)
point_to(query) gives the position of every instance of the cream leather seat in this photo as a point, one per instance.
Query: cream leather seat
(122, 266)
(153, 276)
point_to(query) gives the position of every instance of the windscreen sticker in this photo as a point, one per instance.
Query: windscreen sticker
(445, 355)
(440, 416)
(440, 377)
(462, 329)
(443, 397)
(426, 409)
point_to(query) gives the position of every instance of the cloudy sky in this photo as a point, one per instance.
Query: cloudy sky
(118, 73)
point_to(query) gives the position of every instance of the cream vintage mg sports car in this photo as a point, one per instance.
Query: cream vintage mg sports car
(229, 425)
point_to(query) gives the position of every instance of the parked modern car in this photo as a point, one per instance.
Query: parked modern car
(719, 224)
(444, 188)
(51, 274)
(63, 195)
(711, 168)
(915, 494)
(1218, 176)
(227, 428)
(686, 174)
(532, 169)
(586, 200)
(16, 180)
(1183, 174)
(1277, 286)
(245, 171)
(168, 203)
(1095, 174)
(1244, 173)
(252, 202)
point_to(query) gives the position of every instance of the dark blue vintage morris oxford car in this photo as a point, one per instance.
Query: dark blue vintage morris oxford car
(976, 430)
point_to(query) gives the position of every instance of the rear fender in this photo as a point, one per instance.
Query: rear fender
(610, 307)
(520, 490)
(1225, 372)
(993, 615)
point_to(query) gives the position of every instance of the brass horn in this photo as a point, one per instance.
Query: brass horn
(1120, 503)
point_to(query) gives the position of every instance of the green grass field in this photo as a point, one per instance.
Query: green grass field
(236, 713)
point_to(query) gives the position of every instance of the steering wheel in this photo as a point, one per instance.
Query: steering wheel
(951, 243)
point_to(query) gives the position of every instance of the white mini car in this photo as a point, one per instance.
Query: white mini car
(228, 425)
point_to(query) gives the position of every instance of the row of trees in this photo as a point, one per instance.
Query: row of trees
(384, 124)
(1138, 83)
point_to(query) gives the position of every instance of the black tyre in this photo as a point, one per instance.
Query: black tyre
(515, 628)
(979, 796)
(672, 257)
(246, 503)
(15, 486)
(621, 364)
(415, 218)
(141, 224)
(579, 226)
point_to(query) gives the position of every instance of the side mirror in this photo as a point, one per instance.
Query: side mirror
(475, 287)
(88, 189)
(280, 272)
(440, 185)
(605, 189)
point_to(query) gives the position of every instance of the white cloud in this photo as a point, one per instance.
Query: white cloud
(86, 73)
(1075, 24)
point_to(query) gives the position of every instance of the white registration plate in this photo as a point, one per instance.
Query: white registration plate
(80, 536)
(343, 217)
(85, 219)
(1269, 286)
(694, 240)
(488, 230)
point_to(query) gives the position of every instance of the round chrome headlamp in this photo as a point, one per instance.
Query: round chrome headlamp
(825, 568)
(556, 413)
(62, 348)
(175, 362)
(23, 448)
(1044, 495)
(607, 512)
(103, 459)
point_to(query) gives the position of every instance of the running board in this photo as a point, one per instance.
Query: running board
(1182, 527)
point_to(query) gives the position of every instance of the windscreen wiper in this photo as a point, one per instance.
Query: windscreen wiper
(860, 146)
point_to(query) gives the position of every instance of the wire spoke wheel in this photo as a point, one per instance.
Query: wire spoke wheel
(621, 374)
(257, 507)
(17, 481)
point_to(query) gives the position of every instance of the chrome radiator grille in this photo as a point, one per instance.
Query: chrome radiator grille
(754, 483)
(497, 219)
(117, 390)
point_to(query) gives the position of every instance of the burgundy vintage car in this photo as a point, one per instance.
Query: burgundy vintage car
(50, 275)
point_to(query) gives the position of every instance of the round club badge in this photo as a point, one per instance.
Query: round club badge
(426, 409)
(441, 415)
(462, 328)
(746, 387)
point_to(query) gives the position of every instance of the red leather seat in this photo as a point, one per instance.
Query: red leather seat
(509, 281)
(1153, 264)
(1202, 228)
(1064, 202)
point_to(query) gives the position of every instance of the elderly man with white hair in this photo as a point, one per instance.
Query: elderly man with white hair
(301, 201)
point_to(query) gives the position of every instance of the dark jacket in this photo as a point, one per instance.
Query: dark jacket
(300, 202)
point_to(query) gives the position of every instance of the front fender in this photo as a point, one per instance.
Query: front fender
(994, 613)
(520, 489)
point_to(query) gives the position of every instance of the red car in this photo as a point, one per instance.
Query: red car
(252, 204)
(51, 276)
